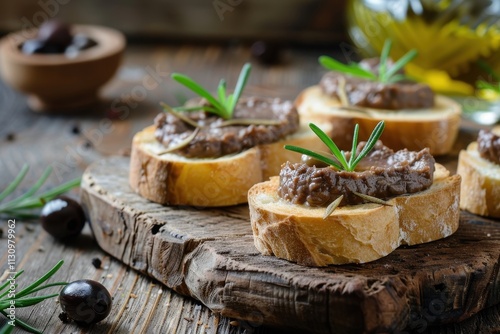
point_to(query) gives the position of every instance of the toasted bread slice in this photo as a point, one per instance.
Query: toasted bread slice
(356, 233)
(176, 180)
(435, 128)
(480, 183)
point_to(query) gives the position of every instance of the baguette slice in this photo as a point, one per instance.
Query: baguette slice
(352, 234)
(435, 128)
(172, 179)
(480, 183)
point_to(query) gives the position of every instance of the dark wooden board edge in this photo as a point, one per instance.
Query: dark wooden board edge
(209, 255)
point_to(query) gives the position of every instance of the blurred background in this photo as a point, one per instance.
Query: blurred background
(458, 40)
(298, 21)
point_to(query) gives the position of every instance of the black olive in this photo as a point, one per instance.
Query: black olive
(85, 301)
(54, 32)
(32, 46)
(266, 53)
(63, 217)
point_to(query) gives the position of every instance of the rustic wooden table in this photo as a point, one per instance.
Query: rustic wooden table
(70, 142)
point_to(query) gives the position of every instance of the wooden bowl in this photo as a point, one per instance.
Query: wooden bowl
(57, 82)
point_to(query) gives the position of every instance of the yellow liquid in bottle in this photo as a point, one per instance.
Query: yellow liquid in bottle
(449, 35)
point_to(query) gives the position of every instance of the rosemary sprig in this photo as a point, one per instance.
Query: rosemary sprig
(483, 84)
(341, 162)
(385, 73)
(23, 298)
(23, 205)
(223, 105)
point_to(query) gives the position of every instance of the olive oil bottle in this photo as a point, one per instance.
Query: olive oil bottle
(450, 35)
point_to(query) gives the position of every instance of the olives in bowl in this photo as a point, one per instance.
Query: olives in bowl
(55, 37)
(61, 81)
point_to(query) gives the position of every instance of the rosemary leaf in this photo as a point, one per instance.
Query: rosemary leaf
(182, 144)
(371, 199)
(384, 56)
(339, 155)
(21, 324)
(370, 143)
(39, 200)
(486, 67)
(31, 191)
(40, 281)
(314, 155)
(6, 329)
(330, 144)
(398, 65)
(14, 184)
(221, 90)
(354, 145)
(30, 301)
(179, 115)
(352, 69)
(330, 208)
(198, 89)
(240, 85)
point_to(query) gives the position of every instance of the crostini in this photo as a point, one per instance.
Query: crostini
(210, 151)
(353, 207)
(479, 166)
(375, 90)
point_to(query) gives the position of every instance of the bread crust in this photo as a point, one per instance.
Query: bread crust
(171, 179)
(480, 183)
(435, 128)
(352, 234)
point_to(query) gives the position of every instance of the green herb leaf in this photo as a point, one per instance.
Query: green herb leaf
(331, 145)
(197, 88)
(20, 206)
(224, 104)
(488, 69)
(314, 155)
(402, 62)
(352, 69)
(240, 85)
(384, 57)
(370, 143)
(385, 73)
(21, 298)
(342, 164)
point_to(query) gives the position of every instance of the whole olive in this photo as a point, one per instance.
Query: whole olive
(85, 301)
(63, 217)
(55, 32)
(266, 53)
(32, 46)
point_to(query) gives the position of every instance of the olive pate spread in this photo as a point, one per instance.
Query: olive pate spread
(488, 145)
(372, 94)
(215, 140)
(383, 173)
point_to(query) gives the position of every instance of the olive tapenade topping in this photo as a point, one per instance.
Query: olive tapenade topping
(488, 145)
(372, 94)
(215, 140)
(213, 126)
(382, 174)
(370, 172)
(375, 83)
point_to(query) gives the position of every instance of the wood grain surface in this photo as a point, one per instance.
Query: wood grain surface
(70, 142)
(208, 254)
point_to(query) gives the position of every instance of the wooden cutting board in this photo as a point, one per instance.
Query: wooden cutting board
(208, 254)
